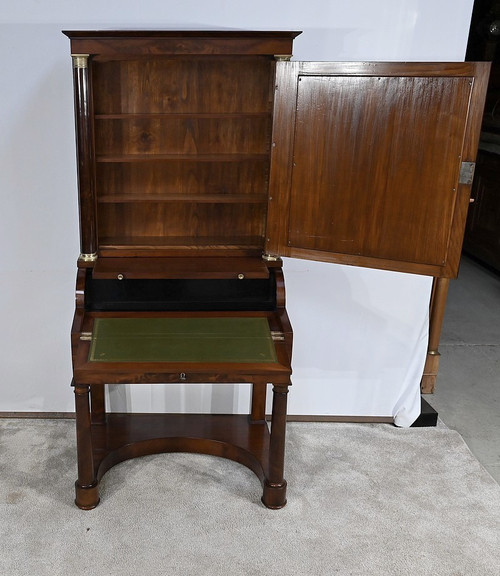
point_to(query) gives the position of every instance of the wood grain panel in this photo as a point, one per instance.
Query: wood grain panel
(167, 220)
(382, 179)
(121, 44)
(178, 85)
(192, 268)
(183, 177)
(243, 135)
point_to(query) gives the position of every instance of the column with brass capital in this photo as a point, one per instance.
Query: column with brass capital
(85, 158)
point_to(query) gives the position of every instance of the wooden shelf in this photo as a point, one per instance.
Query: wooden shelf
(180, 115)
(186, 198)
(187, 242)
(181, 157)
(125, 436)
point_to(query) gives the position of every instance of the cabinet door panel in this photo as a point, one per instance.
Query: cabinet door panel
(375, 159)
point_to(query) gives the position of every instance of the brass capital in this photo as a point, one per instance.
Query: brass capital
(88, 257)
(270, 257)
(80, 60)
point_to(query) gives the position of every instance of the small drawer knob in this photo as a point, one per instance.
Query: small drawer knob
(241, 276)
(120, 276)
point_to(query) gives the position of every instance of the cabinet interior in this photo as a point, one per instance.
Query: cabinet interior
(182, 152)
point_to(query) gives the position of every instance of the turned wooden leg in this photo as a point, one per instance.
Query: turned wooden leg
(274, 495)
(87, 491)
(437, 308)
(258, 410)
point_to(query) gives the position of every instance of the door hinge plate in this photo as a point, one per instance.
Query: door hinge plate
(466, 173)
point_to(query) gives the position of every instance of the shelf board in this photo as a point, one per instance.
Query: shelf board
(125, 436)
(184, 198)
(180, 115)
(181, 157)
(184, 242)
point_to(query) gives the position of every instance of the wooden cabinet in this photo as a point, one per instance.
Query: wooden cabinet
(482, 234)
(482, 238)
(203, 157)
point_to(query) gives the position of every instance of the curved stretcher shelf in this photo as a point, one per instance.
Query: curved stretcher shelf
(234, 437)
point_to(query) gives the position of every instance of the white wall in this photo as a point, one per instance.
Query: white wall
(358, 333)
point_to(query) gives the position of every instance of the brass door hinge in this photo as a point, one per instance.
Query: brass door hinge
(466, 173)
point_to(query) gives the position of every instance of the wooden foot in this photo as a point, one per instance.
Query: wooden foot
(274, 496)
(87, 497)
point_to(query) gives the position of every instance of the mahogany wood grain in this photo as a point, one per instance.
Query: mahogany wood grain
(180, 268)
(378, 147)
(122, 44)
(173, 247)
(183, 178)
(282, 152)
(87, 494)
(258, 406)
(469, 154)
(203, 88)
(393, 204)
(158, 136)
(201, 127)
(190, 223)
(275, 484)
(126, 436)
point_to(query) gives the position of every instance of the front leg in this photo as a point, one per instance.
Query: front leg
(274, 495)
(87, 491)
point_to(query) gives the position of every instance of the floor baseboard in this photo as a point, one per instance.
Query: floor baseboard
(428, 417)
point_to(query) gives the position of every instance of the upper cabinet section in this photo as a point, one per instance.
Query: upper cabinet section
(174, 140)
(371, 162)
(212, 144)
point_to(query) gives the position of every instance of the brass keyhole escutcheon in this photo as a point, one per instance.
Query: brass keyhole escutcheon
(182, 376)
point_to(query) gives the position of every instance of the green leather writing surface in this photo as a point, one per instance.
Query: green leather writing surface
(182, 340)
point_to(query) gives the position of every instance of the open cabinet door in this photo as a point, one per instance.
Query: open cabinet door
(372, 162)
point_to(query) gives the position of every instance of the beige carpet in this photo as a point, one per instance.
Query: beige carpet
(363, 500)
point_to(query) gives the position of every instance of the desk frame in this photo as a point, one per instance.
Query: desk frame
(106, 439)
